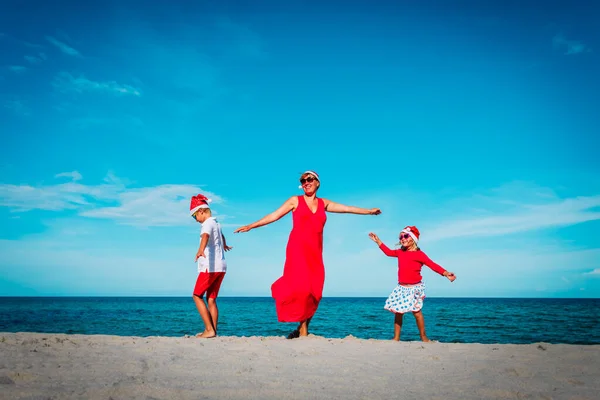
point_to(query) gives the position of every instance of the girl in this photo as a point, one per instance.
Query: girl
(410, 292)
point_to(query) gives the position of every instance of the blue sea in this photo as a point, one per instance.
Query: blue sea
(458, 320)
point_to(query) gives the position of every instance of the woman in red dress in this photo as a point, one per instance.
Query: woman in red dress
(298, 292)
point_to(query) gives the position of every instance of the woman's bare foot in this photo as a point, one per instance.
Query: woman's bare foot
(303, 331)
(425, 339)
(395, 339)
(293, 334)
(207, 334)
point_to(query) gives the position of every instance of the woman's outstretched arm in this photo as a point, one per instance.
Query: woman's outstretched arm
(288, 206)
(341, 208)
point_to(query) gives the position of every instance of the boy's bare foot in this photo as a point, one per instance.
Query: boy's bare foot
(207, 334)
(396, 339)
(425, 339)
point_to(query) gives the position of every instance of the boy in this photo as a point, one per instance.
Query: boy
(211, 264)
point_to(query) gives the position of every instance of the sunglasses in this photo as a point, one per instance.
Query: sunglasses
(404, 236)
(308, 179)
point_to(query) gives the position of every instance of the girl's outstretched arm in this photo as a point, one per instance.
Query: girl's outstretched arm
(438, 268)
(288, 206)
(386, 250)
(340, 208)
(450, 275)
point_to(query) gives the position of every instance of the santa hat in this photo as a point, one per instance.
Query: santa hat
(413, 232)
(312, 173)
(199, 201)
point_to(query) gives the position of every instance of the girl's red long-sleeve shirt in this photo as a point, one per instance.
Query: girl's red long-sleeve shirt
(410, 264)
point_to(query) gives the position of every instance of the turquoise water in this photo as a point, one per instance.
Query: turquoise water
(575, 321)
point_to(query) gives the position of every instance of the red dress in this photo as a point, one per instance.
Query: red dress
(298, 292)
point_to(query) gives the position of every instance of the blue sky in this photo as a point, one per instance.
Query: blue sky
(475, 122)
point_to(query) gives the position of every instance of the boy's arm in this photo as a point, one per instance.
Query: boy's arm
(437, 268)
(225, 247)
(203, 244)
(386, 250)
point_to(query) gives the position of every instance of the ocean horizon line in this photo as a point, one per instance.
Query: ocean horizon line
(269, 297)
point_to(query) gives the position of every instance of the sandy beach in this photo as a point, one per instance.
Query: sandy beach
(56, 366)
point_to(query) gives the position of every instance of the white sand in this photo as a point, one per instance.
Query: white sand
(48, 366)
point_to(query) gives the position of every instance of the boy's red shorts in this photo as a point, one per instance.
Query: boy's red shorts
(209, 283)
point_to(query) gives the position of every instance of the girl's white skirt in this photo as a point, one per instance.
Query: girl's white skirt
(405, 299)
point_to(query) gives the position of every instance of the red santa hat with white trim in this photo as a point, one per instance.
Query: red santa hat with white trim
(199, 201)
(413, 232)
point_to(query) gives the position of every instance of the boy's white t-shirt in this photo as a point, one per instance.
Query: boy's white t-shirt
(214, 251)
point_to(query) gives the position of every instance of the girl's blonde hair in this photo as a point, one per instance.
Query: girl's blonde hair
(399, 244)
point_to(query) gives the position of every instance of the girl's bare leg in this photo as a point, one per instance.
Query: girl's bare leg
(421, 325)
(209, 330)
(397, 326)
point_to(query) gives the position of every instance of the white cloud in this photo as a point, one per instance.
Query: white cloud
(32, 59)
(34, 45)
(36, 59)
(594, 272)
(21, 198)
(18, 107)
(17, 68)
(164, 205)
(570, 47)
(63, 46)
(68, 83)
(74, 175)
(523, 217)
